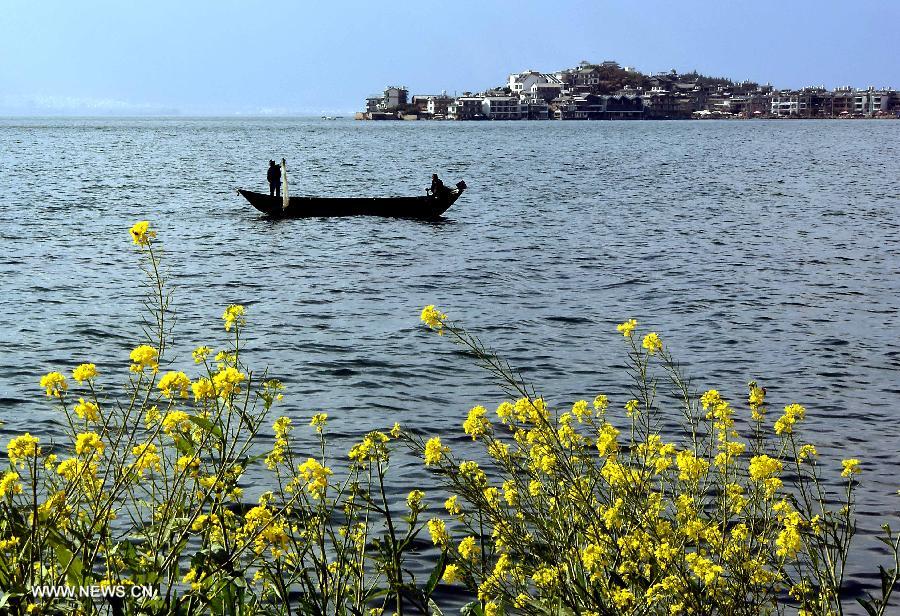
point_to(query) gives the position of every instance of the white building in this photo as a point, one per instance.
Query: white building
(521, 83)
(787, 104)
(504, 108)
(466, 108)
(394, 98)
(439, 105)
(545, 91)
(871, 101)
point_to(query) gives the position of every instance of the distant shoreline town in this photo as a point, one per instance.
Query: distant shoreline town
(608, 91)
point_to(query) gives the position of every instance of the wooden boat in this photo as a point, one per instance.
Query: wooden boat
(427, 207)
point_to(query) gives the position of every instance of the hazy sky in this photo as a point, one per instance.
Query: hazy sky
(243, 56)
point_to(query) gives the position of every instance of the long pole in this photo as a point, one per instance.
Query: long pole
(285, 199)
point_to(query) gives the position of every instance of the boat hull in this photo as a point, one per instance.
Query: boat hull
(426, 207)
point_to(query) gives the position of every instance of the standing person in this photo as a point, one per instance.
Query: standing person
(274, 177)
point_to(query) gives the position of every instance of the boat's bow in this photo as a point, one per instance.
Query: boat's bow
(264, 203)
(450, 197)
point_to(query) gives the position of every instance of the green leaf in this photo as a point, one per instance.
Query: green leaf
(472, 608)
(869, 607)
(436, 574)
(4, 599)
(886, 579)
(183, 445)
(64, 556)
(206, 425)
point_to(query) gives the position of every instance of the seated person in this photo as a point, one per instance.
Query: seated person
(437, 186)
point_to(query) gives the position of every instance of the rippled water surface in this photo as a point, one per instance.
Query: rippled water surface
(764, 250)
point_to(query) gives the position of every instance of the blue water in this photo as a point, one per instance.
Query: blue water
(759, 250)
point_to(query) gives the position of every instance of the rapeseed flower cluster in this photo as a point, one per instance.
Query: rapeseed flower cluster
(85, 372)
(54, 384)
(233, 315)
(590, 509)
(654, 526)
(141, 233)
(143, 357)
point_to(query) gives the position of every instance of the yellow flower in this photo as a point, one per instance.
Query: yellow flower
(690, 467)
(452, 506)
(363, 450)
(88, 443)
(435, 451)
(470, 471)
(84, 372)
(710, 399)
(70, 468)
(227, 382)
(152, 416)
(498, 450)
(757, 400)
(438, 531)
(792, 414)
(477, 423)
(141, 234)
(175, 382)
(505, 411)
(203, 389)
(21, 448)
(757, 394)
(147, 458)
(652, 343)
(55, 384)
(234, 314)
(318, 421)
(806, 451)
(396, 431)
(763, 467)
(187, 463)
(433, 318)
(510, 493)
(627, 327)
(316, 477)
(452, 574)
(144, 356)
(580, 410)
(468, 548)
(606, 440)
(176, 421)
(201, 353)
(546, 577)
(789, 540)
(282, 427)
(622, 597)
(631, 408)
(87, 410)
(8, 544)
(851, 467)
(414, 500)
(592, 557)
(9, 484)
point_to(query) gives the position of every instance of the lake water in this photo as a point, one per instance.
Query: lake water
(759, 250)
